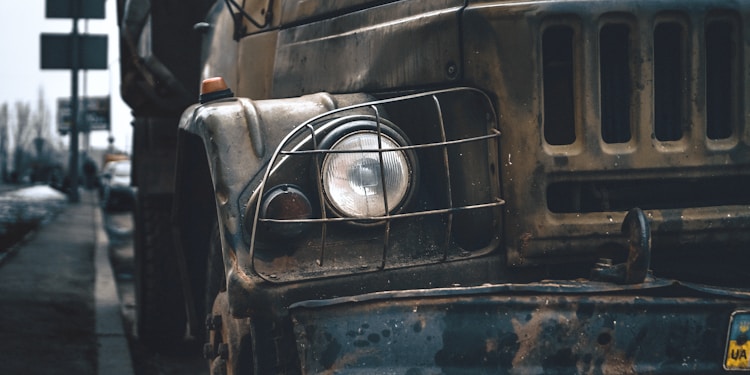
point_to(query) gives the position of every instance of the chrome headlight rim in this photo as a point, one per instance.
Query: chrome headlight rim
(344, 128)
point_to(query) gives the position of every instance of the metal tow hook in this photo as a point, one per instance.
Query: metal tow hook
(636, 229)
(210, 352)
(213, 323)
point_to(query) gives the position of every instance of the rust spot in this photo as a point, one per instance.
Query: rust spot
(331, 352)
(525, 239)
(417, 327)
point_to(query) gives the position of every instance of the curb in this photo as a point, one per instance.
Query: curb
(113, 351)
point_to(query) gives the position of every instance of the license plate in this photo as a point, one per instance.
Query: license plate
(738, 342)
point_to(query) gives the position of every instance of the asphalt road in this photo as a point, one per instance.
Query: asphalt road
(55, 283)
(47, 309)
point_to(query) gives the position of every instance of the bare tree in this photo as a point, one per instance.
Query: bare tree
(4, 141)
(26, 139)
(41, 131)
(44, 147)
(21, 138)
(41, 123)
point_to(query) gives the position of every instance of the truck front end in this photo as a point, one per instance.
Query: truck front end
(481, 187)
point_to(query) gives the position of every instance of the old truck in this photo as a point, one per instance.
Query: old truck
(443, 186)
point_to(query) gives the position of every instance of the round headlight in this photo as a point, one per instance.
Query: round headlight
(355, 182)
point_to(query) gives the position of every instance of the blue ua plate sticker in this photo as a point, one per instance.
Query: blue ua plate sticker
(738, 343)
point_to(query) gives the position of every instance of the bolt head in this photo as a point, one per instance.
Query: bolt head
(223, 351)
(208, 351)
(213, 322)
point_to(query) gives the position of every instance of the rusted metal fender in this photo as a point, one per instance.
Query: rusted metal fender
(240, 136)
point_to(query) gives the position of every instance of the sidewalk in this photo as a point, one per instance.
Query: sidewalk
(59, 310)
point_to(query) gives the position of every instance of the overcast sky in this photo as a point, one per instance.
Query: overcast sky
(22, 23)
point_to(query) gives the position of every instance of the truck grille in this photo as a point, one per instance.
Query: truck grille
(669, 82)
(610, 105)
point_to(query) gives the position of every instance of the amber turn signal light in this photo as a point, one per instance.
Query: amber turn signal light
(213, 89)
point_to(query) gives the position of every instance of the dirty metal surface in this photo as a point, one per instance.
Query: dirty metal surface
(685, 186)
(453, 332)
(400, 44)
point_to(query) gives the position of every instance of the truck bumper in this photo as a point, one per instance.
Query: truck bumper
(539, 328)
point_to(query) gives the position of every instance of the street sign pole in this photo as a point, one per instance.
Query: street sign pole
(74, 52)
(73, 162)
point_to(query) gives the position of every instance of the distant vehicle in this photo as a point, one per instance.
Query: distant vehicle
(116, 190)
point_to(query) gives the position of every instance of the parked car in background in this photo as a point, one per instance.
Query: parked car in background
(116, 191)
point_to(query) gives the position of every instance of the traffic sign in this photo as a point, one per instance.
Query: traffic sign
(94, 114)
(57, 50)
(74, 52)
(64, 9)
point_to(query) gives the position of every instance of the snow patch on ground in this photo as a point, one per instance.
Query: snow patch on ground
(39, 192)
(35, 204)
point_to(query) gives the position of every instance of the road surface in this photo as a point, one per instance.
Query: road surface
(57, 314)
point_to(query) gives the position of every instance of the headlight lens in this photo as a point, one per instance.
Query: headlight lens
(285, 202)
(354, 181)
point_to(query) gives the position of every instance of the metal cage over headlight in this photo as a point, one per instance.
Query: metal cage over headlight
(366, 173)
(380, 196)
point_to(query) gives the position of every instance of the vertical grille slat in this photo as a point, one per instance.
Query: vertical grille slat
(615, 75)
(558, 80)
(721, 78)
(669, 77)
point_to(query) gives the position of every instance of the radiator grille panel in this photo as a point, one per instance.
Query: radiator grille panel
(668, 83)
